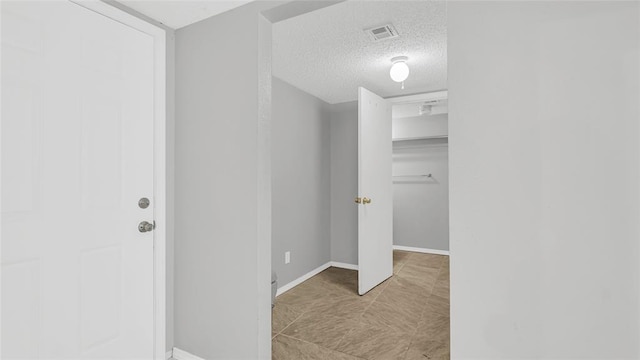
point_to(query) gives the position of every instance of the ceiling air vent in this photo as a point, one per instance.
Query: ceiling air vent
(382, 32)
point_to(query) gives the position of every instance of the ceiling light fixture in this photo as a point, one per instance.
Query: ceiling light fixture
(399, 70)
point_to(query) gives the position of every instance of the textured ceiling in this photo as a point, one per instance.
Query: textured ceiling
(327, 54)
(176, 14)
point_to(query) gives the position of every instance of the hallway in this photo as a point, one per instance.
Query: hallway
(406, 317)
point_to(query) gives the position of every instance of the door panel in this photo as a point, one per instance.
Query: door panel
(77, 155)
(375, 219)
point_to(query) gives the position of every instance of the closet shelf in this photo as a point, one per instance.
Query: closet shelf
(422, 138)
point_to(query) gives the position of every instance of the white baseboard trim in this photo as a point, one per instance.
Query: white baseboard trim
(168, 355)
(343, 265)
(284, 288)
(183, 355)
(421, 250)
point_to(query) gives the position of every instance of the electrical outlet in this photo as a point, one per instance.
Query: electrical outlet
(287, 257)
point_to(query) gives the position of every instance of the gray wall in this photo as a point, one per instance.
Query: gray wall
(545, 173)
(171, 128)
(421, 204)
(223, 236)
(344, 182)
(300, 182)
(223, 209)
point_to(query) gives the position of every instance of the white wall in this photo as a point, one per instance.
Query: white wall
(344, 182)
(300, 182)
(544, 165)
(421, 204)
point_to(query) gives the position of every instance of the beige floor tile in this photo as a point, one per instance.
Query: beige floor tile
(287, 348)
(345, 307)
(444, 273)
(437, 304)
(341, 281)
(400, 293)
(303, 297)
(382, 315)
(400, 256)
(419, 276)
(282, 315)
(397, 267)
(427, 350)
(339, 276)
(441, 288)
(444, 276)
(374, 342)
(314, 285)
(434, 327)
(351, 289)
(376, 291)
(404, 283)
(408, 314)
(399, 259)
(427, 260)
(320, 329)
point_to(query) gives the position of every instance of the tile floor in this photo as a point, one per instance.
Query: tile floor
(404, 318)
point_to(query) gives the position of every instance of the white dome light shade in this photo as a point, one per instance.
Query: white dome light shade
(399, 70)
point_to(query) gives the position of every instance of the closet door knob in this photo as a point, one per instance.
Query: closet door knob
(146, 226)
(358, 200)
(366, 200)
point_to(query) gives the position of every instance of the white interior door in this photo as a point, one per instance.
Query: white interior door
(375, 191)
(77, 155)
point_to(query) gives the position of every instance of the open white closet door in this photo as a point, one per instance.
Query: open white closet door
(375, 192)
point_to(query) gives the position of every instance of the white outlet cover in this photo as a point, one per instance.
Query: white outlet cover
(287, 257)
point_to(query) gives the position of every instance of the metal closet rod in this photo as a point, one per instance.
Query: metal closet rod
(425, 175)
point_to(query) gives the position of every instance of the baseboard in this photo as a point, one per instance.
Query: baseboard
(421, 250)
(183, 355)
(168, 355)
(303, 278)
(344, 265)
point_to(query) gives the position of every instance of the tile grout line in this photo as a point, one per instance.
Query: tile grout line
(302, 313)
(291, 323)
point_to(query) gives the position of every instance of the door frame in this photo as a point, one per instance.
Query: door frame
(159, 161)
